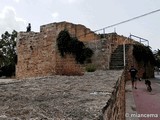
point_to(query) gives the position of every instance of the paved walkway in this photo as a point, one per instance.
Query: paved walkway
(141, 104)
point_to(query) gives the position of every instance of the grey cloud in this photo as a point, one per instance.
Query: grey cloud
(9, 21)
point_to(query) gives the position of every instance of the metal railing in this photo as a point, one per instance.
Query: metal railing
(141, 40)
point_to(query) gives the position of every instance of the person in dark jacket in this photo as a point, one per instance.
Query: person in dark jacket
(133, 73)
(29, 27)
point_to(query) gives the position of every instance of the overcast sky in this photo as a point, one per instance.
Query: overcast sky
(94, 14)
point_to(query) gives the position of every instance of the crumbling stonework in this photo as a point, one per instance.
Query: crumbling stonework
(38, 54)
(115, 108)
(35, 54)
(76, 30)
(149, 69)
(104, 47)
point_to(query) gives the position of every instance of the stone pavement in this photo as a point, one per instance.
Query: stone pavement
(141, 104)
(130, 103)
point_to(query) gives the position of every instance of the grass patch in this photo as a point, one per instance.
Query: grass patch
(90, 68)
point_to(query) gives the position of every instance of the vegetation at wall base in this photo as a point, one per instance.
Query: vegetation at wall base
(90, 68)
(71, 45)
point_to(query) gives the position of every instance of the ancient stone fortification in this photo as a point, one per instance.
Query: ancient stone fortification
(104, 46)
(149, 69)
(38, 54)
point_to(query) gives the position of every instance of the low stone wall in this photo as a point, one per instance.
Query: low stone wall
(115, 108)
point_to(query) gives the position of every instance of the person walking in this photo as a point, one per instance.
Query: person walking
(133, 73)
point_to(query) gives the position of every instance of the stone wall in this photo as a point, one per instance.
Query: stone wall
(76, 30)
(104, 47)
(38, 54)
(115, 108)
(67, 66)
(149, 69)
(102, 52)
(116, 40)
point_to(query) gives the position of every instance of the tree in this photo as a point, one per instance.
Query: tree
(157, 58)
(8, 56)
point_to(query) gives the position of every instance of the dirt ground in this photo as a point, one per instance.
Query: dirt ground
(57, 97)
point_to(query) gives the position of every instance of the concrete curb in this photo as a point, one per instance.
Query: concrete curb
(130, 103)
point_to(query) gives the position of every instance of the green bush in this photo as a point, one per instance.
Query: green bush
(63, 42)
(143, 53)
(90, 68)
(71, 45)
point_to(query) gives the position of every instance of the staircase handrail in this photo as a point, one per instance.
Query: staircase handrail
(124, 51)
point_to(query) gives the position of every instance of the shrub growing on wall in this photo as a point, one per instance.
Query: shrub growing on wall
(63, 41)
(71, 45)
(143, 53)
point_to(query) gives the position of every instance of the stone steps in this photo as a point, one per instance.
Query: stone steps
(117, 61)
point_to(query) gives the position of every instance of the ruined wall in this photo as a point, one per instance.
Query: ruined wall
(67, 66)
(115, 108)
(38, 54)
(116, 40)
(104, 47)
(76, 30)
(130, 60)
(35, 55)
(102, 52)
